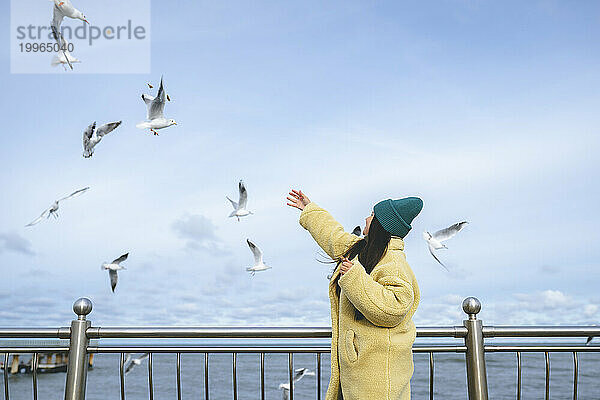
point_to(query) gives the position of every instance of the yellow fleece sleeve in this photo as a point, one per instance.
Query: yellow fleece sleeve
(327, 232)
(384, 302)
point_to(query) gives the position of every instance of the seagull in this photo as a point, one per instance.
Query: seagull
(113, 267)
(435, 241)
(62, 9)
(156, 106)
(285, 387)
(53, 209)
(93, 136)
(357, 231)
(130, 363)
(239, 208)
(300, 372)
(589, 340)
(64, 57)
(258, 259)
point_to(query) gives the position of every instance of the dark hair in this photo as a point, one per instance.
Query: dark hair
(369, 250)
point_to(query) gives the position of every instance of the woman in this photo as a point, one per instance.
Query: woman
(373, 294)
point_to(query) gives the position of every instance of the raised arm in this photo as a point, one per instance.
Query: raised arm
(327, 232)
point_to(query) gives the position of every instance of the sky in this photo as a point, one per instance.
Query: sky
(487, 111)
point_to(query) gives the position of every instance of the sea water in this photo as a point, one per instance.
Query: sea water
(449, 382)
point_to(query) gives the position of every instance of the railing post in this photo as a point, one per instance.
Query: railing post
(475, 357)
(78, 358)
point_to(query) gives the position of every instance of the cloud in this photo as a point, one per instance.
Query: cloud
(549, 269)
(199, 233)
(12, 241)
(18, 310)
(545, 307)
(443, 310)
(548, 300)
(590, 310)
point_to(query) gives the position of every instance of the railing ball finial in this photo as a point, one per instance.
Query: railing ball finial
(82, 307)
(471, 306)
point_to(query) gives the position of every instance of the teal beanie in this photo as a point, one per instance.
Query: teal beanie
(396, 215)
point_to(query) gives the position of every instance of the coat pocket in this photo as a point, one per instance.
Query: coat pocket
(351, 352)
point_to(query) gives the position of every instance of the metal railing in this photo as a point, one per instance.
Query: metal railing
(472, 334)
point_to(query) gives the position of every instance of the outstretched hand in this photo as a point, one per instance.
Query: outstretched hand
(297, 199)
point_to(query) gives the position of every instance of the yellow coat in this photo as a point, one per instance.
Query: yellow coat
(371, 359)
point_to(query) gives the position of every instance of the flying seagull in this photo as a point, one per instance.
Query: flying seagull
(258, 259)
(93, 136)
(300, 373)
(131, 363)
(357, 231)
(435, 241)
(53, 209)
(156, 106)
(239, 208)
(62, 9)
(112, 268)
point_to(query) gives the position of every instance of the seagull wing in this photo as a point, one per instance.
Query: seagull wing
(107, 128)
(432, 251)
(75, 193)
(357, 231)
(233, 203)
(157, 106)
(299, 374)
(589, 339)
(127, 358)
(129, 366)
(256, 251)
(87, 136)
(143, 356)
(449, 232)
(121, 259)
(57, 18)
(113, 278)
(243, 195)
(89, 131)
(38, 219)
(128, 363)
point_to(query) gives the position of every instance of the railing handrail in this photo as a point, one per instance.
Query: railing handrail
(238, 332)
(35, 333)
(540, 331)
(234, 332)
(250, 332)
(472, 333)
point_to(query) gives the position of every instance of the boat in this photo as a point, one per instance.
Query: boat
(48, 363)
